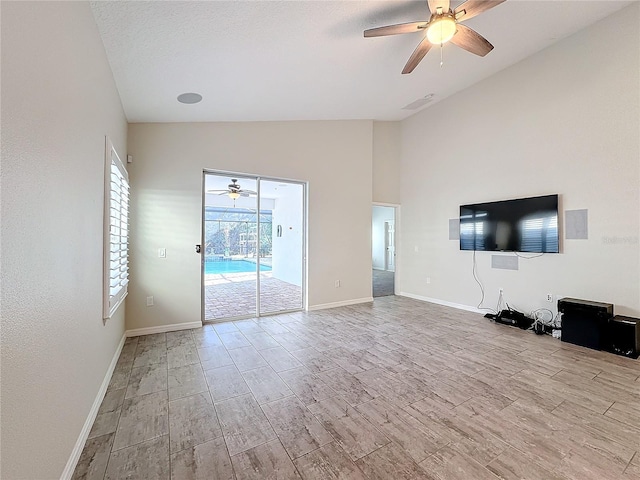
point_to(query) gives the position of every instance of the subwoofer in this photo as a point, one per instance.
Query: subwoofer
(585, 322)
(623, 336)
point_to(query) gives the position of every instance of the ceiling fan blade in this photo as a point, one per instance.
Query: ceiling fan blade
(217, 191)
(250, 192)
(471, 41)
(418, 54)
(434, 4)
(471, 8)
(395, 29)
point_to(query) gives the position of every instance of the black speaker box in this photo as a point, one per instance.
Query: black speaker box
(623, 336)
(585, 322)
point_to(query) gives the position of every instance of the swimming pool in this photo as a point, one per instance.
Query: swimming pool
(232, 266)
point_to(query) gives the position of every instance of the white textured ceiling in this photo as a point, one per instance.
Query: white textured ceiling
(308, 60)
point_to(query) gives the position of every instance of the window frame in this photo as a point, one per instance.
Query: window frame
(118, 195)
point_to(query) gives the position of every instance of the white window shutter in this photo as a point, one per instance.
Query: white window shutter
(116, 232)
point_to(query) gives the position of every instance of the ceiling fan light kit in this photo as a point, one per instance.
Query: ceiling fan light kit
(234, 191)
(441, 30)
(443, 26)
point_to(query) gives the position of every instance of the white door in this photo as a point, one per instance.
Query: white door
(390, 249)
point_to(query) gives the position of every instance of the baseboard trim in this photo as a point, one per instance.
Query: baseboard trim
(344, 303)
(136, 332)
(459, 306)
(70, 467)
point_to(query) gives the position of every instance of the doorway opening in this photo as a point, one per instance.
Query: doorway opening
(383, 250)
(253, 248)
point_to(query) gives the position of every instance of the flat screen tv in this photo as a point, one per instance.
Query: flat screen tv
(522, 225)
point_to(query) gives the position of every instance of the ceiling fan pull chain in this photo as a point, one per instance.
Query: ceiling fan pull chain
(441, 42)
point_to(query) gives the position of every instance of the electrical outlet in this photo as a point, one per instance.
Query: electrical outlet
(550, 297)
(150, 301)
(162, 252)
(428, 279)
(337, 283)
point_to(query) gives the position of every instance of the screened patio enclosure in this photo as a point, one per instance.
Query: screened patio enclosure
(233, 233)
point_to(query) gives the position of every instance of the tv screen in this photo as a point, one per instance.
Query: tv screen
(522, 225)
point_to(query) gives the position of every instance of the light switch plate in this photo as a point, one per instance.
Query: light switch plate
(162, 252)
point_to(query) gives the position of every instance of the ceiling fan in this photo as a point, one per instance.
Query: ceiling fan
(443, 26)
(234, 191)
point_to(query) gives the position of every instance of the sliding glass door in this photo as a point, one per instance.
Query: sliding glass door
(253, 246)
(281, 289)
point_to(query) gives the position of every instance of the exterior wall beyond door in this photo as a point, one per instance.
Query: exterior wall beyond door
(287, 248)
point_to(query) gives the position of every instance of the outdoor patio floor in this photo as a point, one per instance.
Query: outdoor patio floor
(231, 295)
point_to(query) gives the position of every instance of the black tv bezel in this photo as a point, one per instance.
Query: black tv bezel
(470, 205)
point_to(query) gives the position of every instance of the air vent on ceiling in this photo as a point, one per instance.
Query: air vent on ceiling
(419, 103)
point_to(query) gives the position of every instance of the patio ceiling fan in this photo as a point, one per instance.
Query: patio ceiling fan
(443, 26)
(234, 191)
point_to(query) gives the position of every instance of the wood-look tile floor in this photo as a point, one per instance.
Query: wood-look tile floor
(383, 283)
(395, 389)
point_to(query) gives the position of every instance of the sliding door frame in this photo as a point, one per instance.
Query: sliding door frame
(257, 178)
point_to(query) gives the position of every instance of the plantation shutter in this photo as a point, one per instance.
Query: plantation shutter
(116, 248)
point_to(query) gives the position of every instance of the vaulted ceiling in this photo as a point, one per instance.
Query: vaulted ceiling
(308, 60)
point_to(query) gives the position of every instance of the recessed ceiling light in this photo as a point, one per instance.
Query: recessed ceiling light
(190, 98)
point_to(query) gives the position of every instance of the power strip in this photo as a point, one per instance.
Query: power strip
(513, 318)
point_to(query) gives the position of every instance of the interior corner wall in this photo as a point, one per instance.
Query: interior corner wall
(334, 157)
(566, 121)
(386, 162)
(59, 101)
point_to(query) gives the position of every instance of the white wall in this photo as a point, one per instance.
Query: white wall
(166, 178)
(288, 248)
(567, 121)
(386, 162)
(58, 103)
(379, 217)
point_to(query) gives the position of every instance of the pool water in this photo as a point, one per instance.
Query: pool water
(232, 266)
